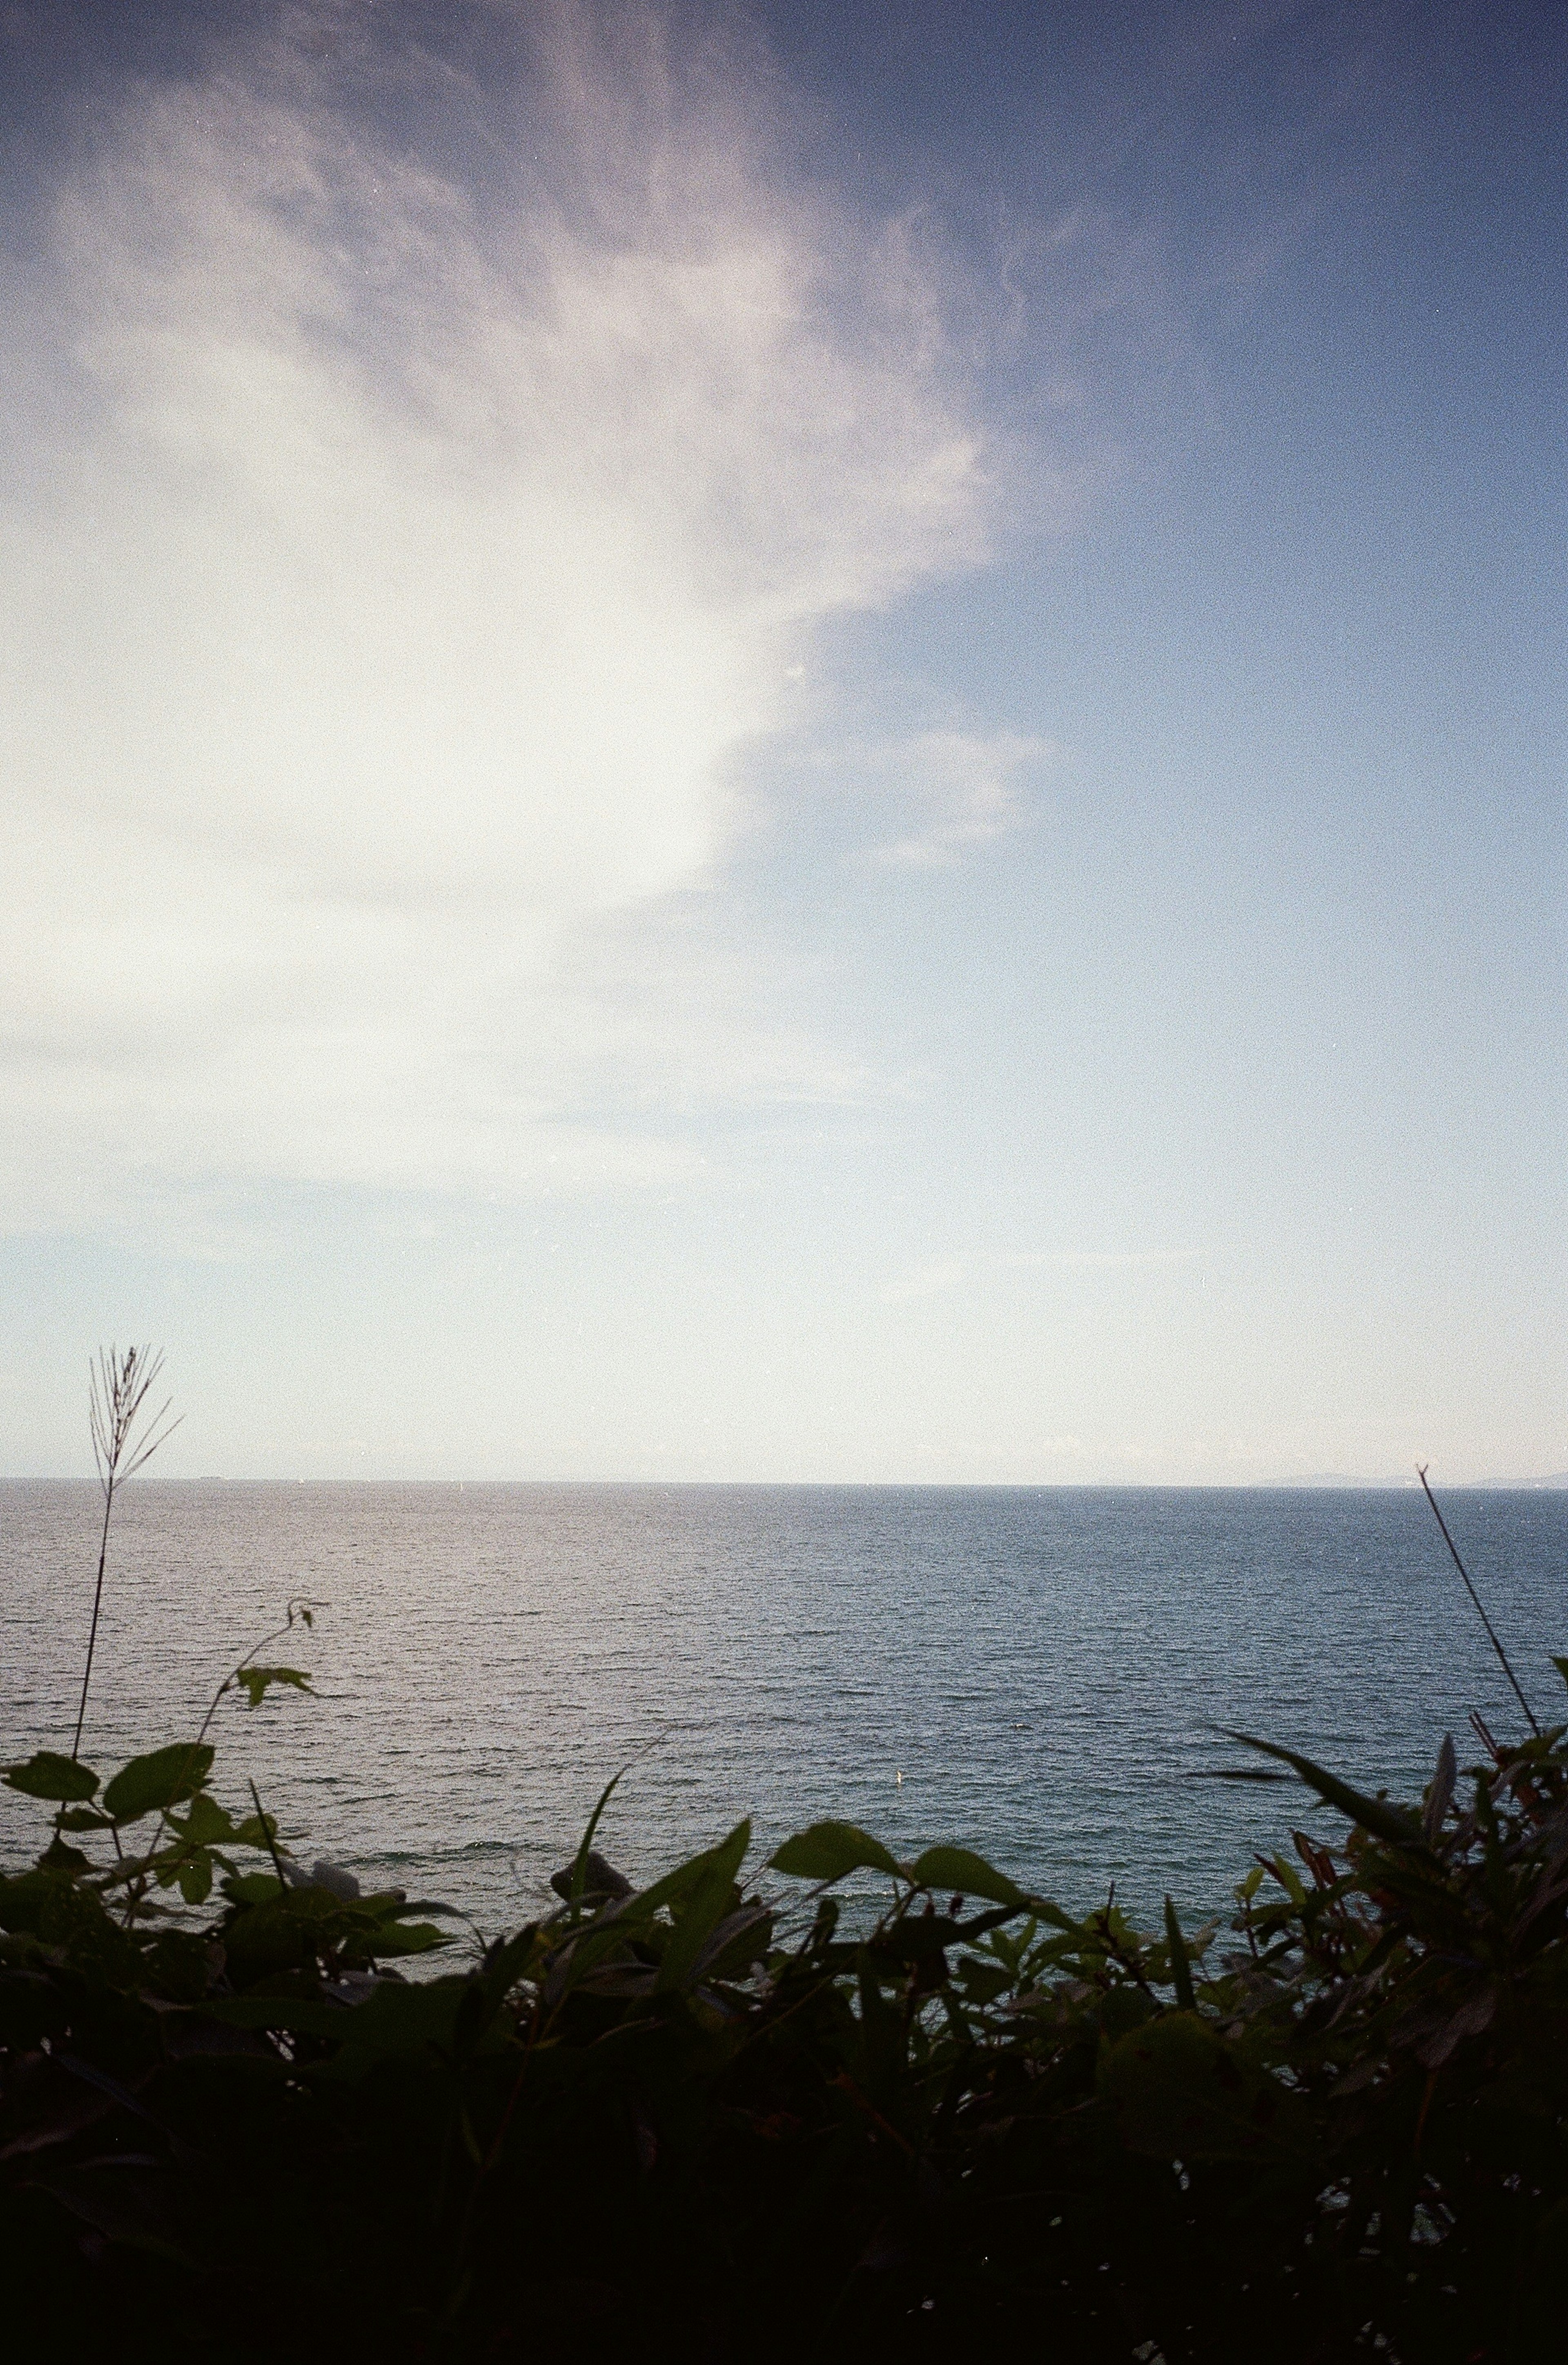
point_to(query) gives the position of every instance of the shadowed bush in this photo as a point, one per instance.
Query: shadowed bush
(716, 2117)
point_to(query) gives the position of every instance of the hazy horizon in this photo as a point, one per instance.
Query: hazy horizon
(1327, 1483)
(760, 743)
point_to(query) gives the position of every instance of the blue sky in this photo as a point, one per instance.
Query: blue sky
(785, 743)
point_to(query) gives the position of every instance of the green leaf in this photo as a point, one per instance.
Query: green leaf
(829, 1851)
(1561, 1665)
(257, 1681)
(579, 1863)
(1180, 1962)
(206, 1824)
(180, 1967)
(254, 1888)
(404, 1938)
(48, 1774)
(160, 1780)
(1285, 1874)
(957, 1869)
(303, 2014)
(671, 1890)
(195, 1879)
(741, 1940)
(128, 2208)
(57, 1857)
(1543, 2285)
(1375, 1815)
(1181, 2091)
(53, 1907)
(982, 1981)
(85, 1818)
(709, 1900)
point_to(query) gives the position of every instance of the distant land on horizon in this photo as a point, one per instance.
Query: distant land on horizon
(1316, 1481)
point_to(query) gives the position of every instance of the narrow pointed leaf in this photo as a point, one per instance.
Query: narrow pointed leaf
(1442, 1790)
(709, 1902)
(1180, 1962)
(1378, 1816)
(580, 1861)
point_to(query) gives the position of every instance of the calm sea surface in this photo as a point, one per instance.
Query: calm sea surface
(1044, 1666)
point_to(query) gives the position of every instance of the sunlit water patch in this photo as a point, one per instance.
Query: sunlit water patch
(1048, 1670)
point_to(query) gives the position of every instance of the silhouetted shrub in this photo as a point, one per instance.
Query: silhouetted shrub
(713, 2118)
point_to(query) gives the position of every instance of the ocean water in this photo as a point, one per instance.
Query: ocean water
(1047, 1669)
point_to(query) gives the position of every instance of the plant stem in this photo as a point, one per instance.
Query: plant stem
(92, 1632)
(267, 1835)
(1491, 1630)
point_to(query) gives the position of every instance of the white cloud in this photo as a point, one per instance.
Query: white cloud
(960, 789)
(391, 568)
(937, 1280)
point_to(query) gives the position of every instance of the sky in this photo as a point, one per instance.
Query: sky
(786, 742)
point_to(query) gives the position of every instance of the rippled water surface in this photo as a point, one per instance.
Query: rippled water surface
(1045, 1667)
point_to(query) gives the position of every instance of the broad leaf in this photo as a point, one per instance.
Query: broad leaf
(48, 1774)
(53, 1907)
(709, 1902)
(254, 1888)
(982, 1982)
(195, 1880)
(257, 1681)
(957, 1869)
(302, 2014)
(404, 1938)
(160, 1780)
(1181, 2091)
(829, 1851)
(671, 1892)
(206, 1824)
(181, 1965)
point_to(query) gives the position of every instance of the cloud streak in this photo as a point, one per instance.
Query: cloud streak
(397, 559)
(961, 788)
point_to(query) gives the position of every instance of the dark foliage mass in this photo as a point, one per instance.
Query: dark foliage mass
(719, 2117)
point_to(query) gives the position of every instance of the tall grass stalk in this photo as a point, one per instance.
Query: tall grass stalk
(1480, 1611)
(124, 1436)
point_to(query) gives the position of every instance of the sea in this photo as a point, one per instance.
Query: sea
(1051, 1675)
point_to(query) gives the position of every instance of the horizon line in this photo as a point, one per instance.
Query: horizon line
(1554, 1483)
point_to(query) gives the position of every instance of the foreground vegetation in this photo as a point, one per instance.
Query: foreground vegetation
(720, 2118)
(713, 2118)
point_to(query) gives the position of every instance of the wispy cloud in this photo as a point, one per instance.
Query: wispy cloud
(401, 556)
(958, 791)
(941, 1276)
(1103, 1259)
(939, 1279)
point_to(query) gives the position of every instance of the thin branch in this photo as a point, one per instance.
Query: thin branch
(267, 1835)
(1491, 1629)
(298, 1608)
